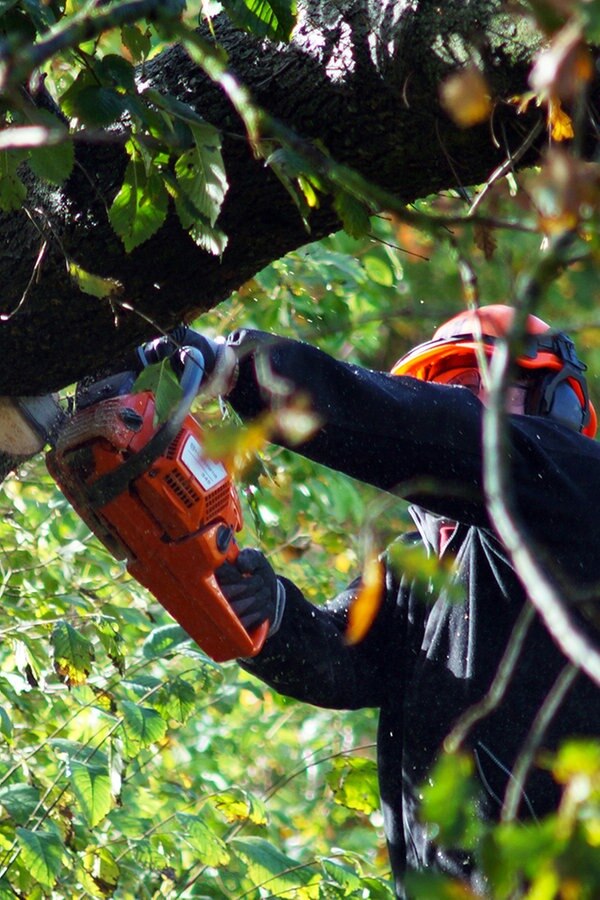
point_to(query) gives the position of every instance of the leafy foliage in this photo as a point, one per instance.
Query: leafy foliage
(131, 765)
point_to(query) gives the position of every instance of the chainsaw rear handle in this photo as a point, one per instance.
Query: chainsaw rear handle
(174, 347)
(258, 635)
(109, 486)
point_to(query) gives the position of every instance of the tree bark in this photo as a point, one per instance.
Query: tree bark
(361, 76)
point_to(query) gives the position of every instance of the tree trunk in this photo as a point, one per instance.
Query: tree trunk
(361, 76)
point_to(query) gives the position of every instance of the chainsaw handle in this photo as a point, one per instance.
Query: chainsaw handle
(259, 634)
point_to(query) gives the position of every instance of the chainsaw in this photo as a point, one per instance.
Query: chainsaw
(156, 501)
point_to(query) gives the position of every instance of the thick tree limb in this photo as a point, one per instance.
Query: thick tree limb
(361, 77)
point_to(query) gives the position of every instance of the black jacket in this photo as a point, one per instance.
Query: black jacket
(423, 662)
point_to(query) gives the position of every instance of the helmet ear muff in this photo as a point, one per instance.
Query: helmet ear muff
(554, 395)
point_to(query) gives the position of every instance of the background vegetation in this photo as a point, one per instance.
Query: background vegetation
(130, 764)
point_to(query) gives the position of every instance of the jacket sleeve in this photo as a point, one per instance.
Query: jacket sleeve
(423, 441)
(310, 659)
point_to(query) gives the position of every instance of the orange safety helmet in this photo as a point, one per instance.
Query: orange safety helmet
(560, 392)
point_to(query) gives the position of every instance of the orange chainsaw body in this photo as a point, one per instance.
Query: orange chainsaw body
(174, 524)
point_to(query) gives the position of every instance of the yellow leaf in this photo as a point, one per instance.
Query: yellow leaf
(92, 284)
(561, 126)
(367, 602)
(465, 97)
(236, 446)
(69, 673)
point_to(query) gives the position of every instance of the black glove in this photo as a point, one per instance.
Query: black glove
(252, 589)
(170, 347)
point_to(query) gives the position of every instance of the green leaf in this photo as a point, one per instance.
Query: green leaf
(19, 801)
(108, 633)
(97, 105)
(175, 107)
(353, 213)
(176, 700)
(239, 806)
(341, 875)
(94, 285)
(6, 726)
(101, 872)
(378, 270)
(73, 653)
(42, 14)
(53, 164)
(117, 72)
(12, 190)
(164, 640)
(212, 851)
(138, 42)
(354, 783)
(274, 19)
(74, 750)
(142, 726)
(140, 207)
(449, 801)
(201, 179)
(270, 867)
(53, 161)
(162, 381)
(91, 785)
(41, 854)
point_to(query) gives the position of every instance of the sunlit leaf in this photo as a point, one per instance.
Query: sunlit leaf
(140, 207)
(274, 19)
(73, 653)
(200, 174)
(91, 785)
(578, 760)
(6, 725)
(560, 123)
(269, 866)
(142, 726)
(164, 640)
(367, 601)
(354, 783)
(342, 875)
(102, 871)
(19, 801)
(449, 801)
(176, 699)
(466, 97)
(162, 381)
(378, 270)
(95, 285)
(212, 851)
(238, 806)
(42, 854)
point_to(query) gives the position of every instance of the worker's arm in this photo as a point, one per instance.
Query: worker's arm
(307, 655)
(424, 441)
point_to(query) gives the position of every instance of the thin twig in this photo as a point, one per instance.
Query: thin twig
(551, 705)
(507, 166)
(542, 592)
(498, 687)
